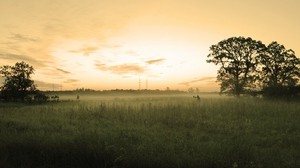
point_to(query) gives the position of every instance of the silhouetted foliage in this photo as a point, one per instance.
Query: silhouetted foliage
(238, 59)
(249, 67)
(41, 97)
(282, 92)
(17, 83)
(280, 71)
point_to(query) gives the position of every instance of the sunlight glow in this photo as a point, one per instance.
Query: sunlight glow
(115, 44)
(147, 55)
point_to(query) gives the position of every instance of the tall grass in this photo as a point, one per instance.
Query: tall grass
(151, 132)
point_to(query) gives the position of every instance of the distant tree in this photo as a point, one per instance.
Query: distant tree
(237, 58)
(280, 71)
(40, 97)
(17, 81)
(191, 90)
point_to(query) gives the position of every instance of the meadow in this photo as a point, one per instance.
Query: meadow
(151, 131)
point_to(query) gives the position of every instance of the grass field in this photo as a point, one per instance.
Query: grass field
(151, 131)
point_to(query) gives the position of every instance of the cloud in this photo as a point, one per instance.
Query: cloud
(126, 68)
(155, 61)
(46, 86)
(131, 53)
(20, 57)
(102, 67)
(204, 79)
(9, 56)
(85, 50)
(64, 71)
(122, 69)
(112, 46)
(71, 81)
(22, 38)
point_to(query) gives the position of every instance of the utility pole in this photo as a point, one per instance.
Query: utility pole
(146, 84)
(140, 83)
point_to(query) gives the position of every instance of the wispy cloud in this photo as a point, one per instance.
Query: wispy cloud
(71, 81)
(46, 86)
(112, 46)
(204, 79)
(10, 56)
(63, 71)
(102, 67)
(22, 38)
(12, 46)
(122, 69)
(155, 61)
(85, 50)
(131, 53)
(127, 68)
(20, 57)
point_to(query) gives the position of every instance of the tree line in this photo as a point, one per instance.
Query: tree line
(248, 66)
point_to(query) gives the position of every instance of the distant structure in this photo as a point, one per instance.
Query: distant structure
(140, 83)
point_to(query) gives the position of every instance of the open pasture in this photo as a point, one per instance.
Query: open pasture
(151, 131)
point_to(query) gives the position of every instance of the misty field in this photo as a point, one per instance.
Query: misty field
(151, 131)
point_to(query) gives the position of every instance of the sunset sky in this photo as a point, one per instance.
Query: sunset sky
(109, 44)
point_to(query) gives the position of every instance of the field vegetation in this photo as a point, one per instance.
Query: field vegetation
(151, 131)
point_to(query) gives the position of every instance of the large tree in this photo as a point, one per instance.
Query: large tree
(280, 70)
(17, 81)
(237, 57)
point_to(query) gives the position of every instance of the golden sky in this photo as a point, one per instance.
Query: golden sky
(108, 44)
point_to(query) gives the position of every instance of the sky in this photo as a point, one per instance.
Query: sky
(135, 44)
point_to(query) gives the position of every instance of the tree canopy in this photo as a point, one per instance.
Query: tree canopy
(280, 71)
(17, 81)
(280, 67)
(237, 57)
(247, 65)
